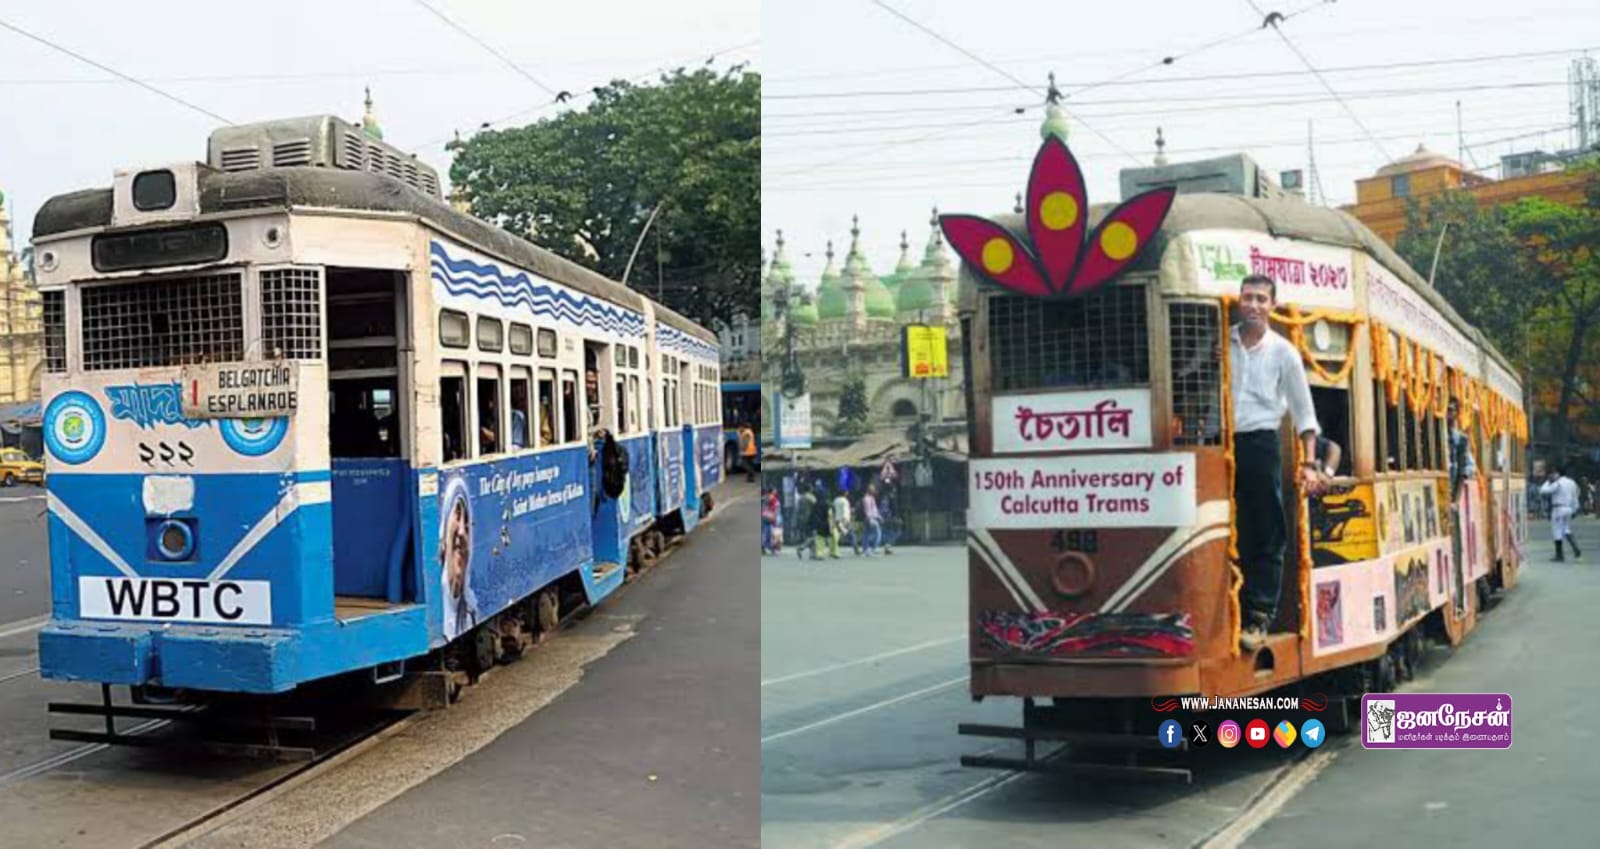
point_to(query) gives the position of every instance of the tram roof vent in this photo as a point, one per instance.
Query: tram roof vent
(322, 141)
(1237, 174)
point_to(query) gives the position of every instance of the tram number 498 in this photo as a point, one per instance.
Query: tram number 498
(176, 600)
(1087, 542)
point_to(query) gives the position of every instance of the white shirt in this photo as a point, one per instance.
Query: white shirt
(1268, 379)
(1563, 493)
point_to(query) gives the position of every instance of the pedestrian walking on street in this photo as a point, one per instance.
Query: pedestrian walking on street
(747, 451)
(808, 524)
(1563, 494)
(840, 518)
(769, 520)
(873, 519)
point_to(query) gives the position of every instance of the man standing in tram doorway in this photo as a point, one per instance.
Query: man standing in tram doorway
(1563, 493)
(1268, 379)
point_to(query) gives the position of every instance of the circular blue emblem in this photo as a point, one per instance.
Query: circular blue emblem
(74, 427)
(254, 437)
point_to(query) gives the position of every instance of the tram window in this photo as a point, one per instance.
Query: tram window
(633, 403)
(1411, 457)
(548, 415)
(1333, 415)
(633, 357)
(491, 334)
(1433, 447)
(569, 407)
(491, 428)
(452, 329)
(619, 356)
(1099, 340)
(1392, 447)
(649, 404)
(1197, 374)
(519, 409)
(621, 390)
(453, 416)
(521, 339)
(547, 342)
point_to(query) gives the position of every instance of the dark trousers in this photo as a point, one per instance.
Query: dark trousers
(1258, 494)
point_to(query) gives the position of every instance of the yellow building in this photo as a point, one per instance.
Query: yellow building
(1381, 199)
(21, 337)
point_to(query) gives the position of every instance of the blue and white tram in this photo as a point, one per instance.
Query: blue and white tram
(305, 419)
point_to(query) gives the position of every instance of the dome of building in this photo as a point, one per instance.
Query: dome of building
(1419, 159)
(915, 294)
(831, 302)
(802, 312)
(875, 298)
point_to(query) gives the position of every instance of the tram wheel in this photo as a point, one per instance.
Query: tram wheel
(647, 556)
(549, 610)
(1341, 714)
(1386, 674)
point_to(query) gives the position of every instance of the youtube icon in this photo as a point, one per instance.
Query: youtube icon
(1257, 733)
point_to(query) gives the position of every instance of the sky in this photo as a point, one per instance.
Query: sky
(866, 113)
(68, 126)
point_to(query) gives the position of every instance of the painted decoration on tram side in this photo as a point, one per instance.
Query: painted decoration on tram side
(505, 528)
(1097, 491)
(1410, 587)
(1330, 615)
(1308, 274)
(1056, 633)
(1343, 526)
(1056, 260)
(1067, 421)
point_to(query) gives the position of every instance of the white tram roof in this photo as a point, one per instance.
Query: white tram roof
(335, 188)
(1280, 217)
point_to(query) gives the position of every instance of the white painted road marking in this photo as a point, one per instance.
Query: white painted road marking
(847, 664)
(877, 834)
(1269, 803)
(11, 499)
(861, 710)
(23, 626)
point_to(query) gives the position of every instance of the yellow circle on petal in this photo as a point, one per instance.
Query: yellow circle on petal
(997, 256)
(1058, 211)
(1119, 240)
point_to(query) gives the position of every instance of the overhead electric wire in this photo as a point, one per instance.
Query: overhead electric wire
(1243, 75)
(113, 71)
(485, 45)
(1164, 80)
(587, 93)
(991, 66)
(1245, 100)
(1273, 20)
(866, 180)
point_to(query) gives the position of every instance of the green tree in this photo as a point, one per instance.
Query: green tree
(584, 183)
(853, 411)
(1561, 242)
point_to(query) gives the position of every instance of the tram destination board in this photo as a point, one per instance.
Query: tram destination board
(240, 390)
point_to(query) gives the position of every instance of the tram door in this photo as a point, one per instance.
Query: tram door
(598, 383)
(367, 423)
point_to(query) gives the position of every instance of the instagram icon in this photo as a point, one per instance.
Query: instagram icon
(1228, 734)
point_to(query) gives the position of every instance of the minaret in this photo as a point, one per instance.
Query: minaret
(851, 281)
(1055, 118)
(940, 274)
(369, 120)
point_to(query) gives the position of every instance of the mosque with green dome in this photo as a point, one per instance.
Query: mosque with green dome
(851, 321)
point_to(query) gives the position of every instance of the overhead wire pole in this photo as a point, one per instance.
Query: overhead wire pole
(113, 71)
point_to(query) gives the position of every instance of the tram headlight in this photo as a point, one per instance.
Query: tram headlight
(175, 539)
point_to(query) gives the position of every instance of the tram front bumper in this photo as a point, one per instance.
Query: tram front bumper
(240, 660)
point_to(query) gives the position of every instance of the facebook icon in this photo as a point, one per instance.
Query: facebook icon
(1170, 735)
